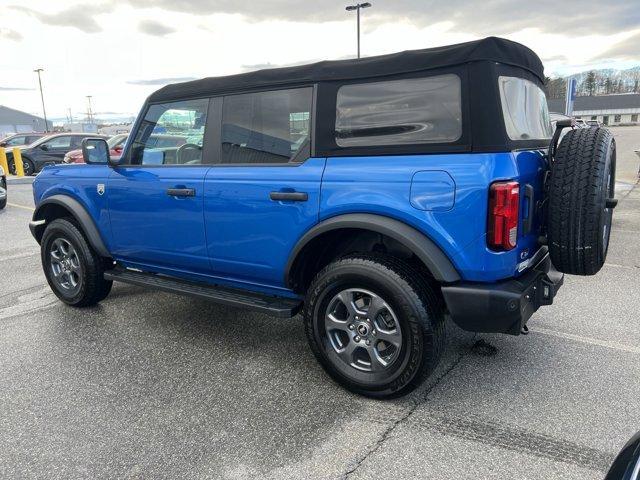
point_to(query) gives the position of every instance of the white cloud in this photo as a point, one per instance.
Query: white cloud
(119, 66)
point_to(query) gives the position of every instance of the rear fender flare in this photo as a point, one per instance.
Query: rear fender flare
(422, 246)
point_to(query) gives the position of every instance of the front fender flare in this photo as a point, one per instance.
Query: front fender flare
(79, 213)
(422, 246)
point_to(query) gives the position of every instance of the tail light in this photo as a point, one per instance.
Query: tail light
(502, 228)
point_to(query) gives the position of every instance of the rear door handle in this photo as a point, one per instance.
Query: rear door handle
(181, 192)
(289, 196)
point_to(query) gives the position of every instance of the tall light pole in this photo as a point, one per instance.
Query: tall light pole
(44, 112)
(357, 7)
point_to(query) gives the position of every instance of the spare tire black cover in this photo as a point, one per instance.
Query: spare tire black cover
(578, 218)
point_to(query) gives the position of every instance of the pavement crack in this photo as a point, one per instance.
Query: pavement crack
(405, 416)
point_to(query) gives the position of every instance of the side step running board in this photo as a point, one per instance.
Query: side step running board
(280, 307)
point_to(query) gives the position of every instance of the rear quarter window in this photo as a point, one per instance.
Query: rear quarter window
(524, 108)
(399, 112)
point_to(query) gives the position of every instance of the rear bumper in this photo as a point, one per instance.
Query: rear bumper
(503, 307)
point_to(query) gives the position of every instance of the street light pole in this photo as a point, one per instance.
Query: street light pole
(44, 112)
(357, 8)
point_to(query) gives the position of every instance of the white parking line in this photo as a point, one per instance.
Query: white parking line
(617, 265)
(30, 303)
(588, 340)
(20, 255)
(21, 206)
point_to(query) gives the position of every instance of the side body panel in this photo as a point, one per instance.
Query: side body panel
(249, 236)
(383, 185)
(79, 182)
(151, 227)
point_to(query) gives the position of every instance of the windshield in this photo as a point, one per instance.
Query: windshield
(524, 107)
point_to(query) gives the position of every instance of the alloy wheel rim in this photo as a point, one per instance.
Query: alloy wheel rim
(65, 266)
(363, 331)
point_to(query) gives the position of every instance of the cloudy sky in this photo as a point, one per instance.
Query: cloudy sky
(119, 51)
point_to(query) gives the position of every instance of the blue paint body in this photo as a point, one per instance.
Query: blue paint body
(231, 232)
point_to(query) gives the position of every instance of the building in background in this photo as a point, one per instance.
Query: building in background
(116, 129)
(15, 121)
(623, 108)
(80, 127)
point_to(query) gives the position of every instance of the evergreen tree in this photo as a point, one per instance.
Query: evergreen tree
(590, 83)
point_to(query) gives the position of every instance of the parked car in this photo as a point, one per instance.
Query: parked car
(374, 195)
(3, 188)
(594, 123)
(626, 466)
(116, 144)
(20, 139)
(581, 123)
(50, 150)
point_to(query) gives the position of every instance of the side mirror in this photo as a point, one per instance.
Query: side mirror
(44, 147)
(95, 151)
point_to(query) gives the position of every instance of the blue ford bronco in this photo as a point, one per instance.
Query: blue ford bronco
(376, 196)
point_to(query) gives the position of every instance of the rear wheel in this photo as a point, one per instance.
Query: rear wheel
(581, 192)
(73, 269)
(374, 324)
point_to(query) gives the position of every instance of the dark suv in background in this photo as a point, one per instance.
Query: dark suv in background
(50, 149)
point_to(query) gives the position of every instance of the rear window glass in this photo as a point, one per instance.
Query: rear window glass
(399, 112)
(524, 107)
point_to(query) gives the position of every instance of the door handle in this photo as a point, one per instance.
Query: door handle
(181, 192)
(289, 196)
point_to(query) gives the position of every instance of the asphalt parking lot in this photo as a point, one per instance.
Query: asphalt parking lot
(152, 385)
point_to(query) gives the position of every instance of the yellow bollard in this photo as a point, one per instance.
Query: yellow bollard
(17, 162)
(3, 161)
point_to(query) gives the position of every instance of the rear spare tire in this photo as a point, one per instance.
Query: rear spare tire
(581, 191)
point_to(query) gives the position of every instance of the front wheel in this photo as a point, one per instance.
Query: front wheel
(28, 167)
(73, 269)
(374, 324)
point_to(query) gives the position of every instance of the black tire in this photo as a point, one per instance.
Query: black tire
(414, 308)
(28, 167)
(579, 220)
(90, 286)
(3, 185)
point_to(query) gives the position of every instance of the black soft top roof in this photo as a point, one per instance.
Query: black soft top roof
(491, 49)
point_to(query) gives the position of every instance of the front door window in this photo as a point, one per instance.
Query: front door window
(171, 134)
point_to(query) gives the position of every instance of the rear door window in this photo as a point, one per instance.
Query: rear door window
(267, 127)
(524, 108)
(59, 142)
(399, 112)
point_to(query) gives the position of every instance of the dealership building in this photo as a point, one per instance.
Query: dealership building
(607, 109)
(15, 121)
